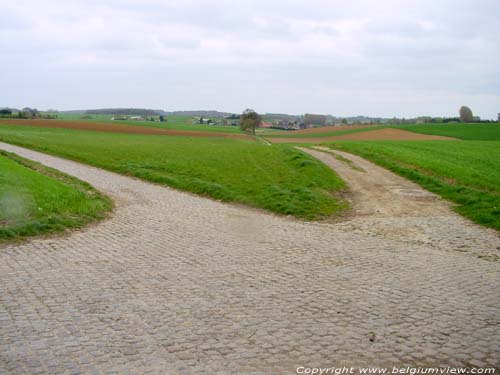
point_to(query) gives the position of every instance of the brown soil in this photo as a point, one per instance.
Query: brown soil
(373, 135)
(120, 128)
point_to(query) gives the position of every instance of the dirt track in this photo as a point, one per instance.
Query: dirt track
(372, 135)
(376, 191)
(120, 128)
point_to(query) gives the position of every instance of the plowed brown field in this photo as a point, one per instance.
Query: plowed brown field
(373, 135)
(117, 128)
(324, 129)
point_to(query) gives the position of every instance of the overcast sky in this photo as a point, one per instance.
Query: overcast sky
(378, 58)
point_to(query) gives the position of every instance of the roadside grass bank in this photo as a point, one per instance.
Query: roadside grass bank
(276, 178)
(35, 200)
(466, 173)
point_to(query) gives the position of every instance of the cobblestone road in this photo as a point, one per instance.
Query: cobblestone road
(178, 284)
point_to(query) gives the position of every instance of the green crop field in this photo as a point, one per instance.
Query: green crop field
(276, 178)
(464, 172)
(36, 200)
(477, 132)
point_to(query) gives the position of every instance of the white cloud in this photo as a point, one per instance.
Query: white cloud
(297, 55)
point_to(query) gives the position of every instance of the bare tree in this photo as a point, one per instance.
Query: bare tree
(466, 114)
(250, 120)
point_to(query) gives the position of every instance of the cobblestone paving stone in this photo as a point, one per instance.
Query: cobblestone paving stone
(173, 283)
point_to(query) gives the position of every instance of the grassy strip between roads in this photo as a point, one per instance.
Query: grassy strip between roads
(464, 172)
(36, 200)
(277, 178)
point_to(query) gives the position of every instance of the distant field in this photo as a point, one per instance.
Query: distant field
(173, 122)
(118, 128)
(384, 134)
(315, 133)
(477, 132)
(36, 200)
(277, 178)
(464, 172)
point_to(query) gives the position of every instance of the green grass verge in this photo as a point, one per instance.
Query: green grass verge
(37, 200)
(277, 178)
(464, 172)
(476, 132)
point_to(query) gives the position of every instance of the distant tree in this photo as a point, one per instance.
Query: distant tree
(162, 118)
(250, 120)
(28, 112)
(5, 112)
(316, 120)
(498, 117)
(466, 114)
(344, 121)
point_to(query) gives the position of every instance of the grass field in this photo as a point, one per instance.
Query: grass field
(277, 178)
(464, 172)
(36, 200)
(477, 132)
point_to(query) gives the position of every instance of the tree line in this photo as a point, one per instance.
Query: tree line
(25, 113)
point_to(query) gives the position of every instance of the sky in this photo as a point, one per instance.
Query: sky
(401, 58)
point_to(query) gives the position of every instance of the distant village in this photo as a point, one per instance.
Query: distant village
(159, 118)
(291, 122)
(282, 122)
